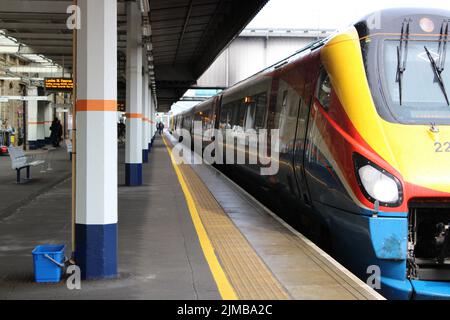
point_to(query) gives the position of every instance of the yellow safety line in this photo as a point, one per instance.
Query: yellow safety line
(225, 289)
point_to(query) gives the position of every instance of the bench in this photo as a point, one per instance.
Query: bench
(19, 161)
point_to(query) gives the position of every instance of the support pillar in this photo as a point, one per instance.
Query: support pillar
(48, 118)
(145, 109)
(152, 120)
(154, 117)
(32, 121)
(96, 136)
(133, 146)
(41, 124)
(149, 126)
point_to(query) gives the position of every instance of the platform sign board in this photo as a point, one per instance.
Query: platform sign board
(58, 84)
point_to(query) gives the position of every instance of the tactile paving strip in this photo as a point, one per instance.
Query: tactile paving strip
(247, 273)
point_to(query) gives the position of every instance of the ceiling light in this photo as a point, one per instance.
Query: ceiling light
(145, 7)
(35, 69)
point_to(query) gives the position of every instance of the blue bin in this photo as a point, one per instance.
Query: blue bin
(48, 262)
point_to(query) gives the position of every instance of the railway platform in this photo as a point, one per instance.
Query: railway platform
(187, 232)
(55, 169)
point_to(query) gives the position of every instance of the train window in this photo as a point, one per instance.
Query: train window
(324, 89)
(241, 110)
(250, 121)
(222, 118)
(207, 120)
(281, 105)
(284, 106)
(261, 105)
(226, 116)
(256, 112)
(188, 123)
(285, 99)
(293, 108)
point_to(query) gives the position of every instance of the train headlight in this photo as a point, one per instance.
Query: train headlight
(377, 184)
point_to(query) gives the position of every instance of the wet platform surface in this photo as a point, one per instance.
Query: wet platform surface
(159, 253)
(162, 253)
(57, 168)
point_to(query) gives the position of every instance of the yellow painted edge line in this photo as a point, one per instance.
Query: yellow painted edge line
(225, 288)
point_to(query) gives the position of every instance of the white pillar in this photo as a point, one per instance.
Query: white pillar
(149, 125)
(154, 115)
(133, 146)
(152, 118)
(48, 118)
(96, 156)
(145, 109)
(41, 124)
(32, 121)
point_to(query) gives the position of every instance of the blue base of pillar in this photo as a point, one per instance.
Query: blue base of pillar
(96, 250)
(144, 156)
(41, 143)
(48, 140)
(33, 145)
(133, 174)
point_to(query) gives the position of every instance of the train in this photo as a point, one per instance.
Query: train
(364, 146)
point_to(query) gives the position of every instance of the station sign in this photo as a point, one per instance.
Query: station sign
(58, 84)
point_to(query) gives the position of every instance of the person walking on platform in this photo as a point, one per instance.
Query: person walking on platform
(160, 128)
(56, 132)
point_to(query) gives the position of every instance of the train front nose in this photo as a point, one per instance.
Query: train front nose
(421, 158)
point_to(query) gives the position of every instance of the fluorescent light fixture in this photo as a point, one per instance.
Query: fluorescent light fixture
(10, 78)
(9, 49)
(10, 45)
(36, 58)
(35, 69)
(145, 7)
(146, 30)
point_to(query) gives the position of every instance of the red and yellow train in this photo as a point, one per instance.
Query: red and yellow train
(364, 136)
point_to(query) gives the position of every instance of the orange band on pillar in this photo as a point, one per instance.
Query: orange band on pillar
(96, 105)
(36, 122)
(133, 115)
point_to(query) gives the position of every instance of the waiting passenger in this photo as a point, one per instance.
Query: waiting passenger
(56, 132)
(160, 128)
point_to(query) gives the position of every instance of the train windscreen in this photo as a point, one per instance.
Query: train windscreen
(416, 80)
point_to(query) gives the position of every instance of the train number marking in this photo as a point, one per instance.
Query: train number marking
(442, 147)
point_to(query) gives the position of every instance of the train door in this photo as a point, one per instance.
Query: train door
(299, 149)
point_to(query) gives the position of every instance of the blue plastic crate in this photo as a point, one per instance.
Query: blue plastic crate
(48, 262)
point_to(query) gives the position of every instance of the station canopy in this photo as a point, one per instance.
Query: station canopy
(185, 37)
